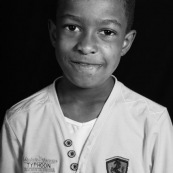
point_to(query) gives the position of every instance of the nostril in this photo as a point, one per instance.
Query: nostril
(86, 49)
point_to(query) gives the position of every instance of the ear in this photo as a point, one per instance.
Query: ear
(129, 38)
(52, 32)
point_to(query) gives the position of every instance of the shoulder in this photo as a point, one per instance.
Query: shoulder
(29, 114)
(141, 105)
(24, 107)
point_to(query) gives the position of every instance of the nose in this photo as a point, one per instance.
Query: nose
(87, 44)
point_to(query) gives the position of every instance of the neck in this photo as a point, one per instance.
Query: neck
(68, 92)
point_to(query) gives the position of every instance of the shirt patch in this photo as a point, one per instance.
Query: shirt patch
(39, 165)
(117, 165)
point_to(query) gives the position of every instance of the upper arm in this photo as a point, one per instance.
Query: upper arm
(10, 150)
(163, 150)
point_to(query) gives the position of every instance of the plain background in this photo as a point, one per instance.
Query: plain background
(28, 62)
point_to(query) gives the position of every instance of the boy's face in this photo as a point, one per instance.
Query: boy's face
(89, 38)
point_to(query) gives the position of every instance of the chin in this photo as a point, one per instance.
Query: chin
(84, 83)
(87, 83)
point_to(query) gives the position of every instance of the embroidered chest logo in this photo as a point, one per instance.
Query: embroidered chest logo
(117, 165)
(39, 164)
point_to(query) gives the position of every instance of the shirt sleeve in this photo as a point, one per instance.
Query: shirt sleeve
(10, 151)
(163, 151)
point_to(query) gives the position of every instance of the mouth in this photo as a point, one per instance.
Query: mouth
(85, 63)
(86, 66)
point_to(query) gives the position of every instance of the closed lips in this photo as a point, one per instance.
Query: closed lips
(85, 63)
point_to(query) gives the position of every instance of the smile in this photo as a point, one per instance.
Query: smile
(83, 66)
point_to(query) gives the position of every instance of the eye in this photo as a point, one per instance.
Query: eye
(72, 28)
(108, 32)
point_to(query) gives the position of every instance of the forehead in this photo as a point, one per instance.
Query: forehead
(93, 9)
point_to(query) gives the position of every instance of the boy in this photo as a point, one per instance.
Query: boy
(87, 121)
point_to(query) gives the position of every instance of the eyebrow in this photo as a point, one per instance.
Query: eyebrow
(110, 21)
(100, 21)
(73, 17)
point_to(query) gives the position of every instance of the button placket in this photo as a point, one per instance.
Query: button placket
(71, 154)
(74, 166)
(68, 143)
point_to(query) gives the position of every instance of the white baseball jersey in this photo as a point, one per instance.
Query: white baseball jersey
(131, 135)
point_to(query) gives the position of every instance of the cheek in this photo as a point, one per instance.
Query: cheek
(112, 54)
(64, 41)
(63, 51)
(60, 52)
(63, 47)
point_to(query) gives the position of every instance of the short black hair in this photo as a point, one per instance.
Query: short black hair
(129, 7)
